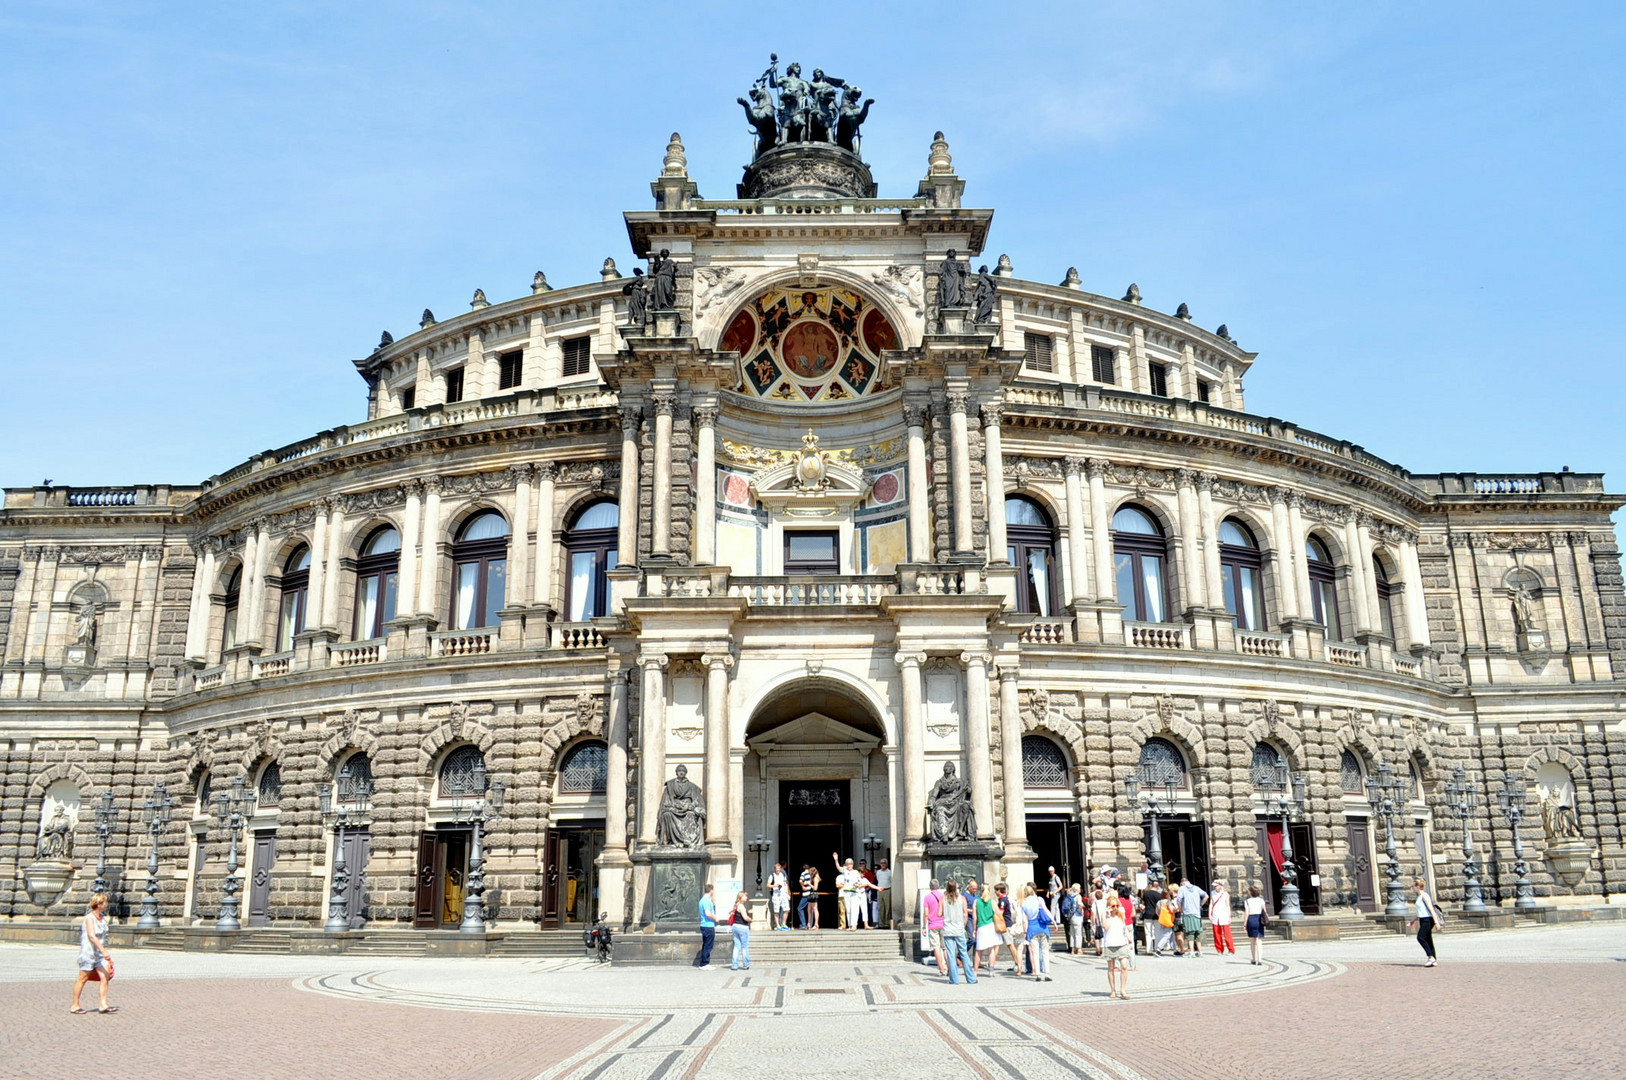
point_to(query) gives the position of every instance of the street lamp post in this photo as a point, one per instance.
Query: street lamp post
(107, 816)
(232, 808)
(348, 814)
(1385, 791)
(1284, 798)
(1512, 800)
(1464, 795)
(155, 815)
(759, 845)
(487, 805)
(1142, 788)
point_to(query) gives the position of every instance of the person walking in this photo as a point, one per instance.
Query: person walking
(1168, 919)
(739, 923)
(954, 920)
(1098, 912)
(1254, 909)
(1151, 904)
(932, 902)
(1191, 899)
(969, 893)
(1427, 918)
(779, 897)
(985, 939)
(1072, 910)
(708, 927)
(1219, 917)
(883, 894)
(1053, 890)
(94, 958)
(808, 909)
(1038, 919)
(1118, 947)
(1006, 918)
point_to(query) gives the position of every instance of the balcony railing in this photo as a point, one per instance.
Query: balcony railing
(577, 635)
(812, 591)
(1151, 635)
(1346, 655)
(358, 652)
(1041, 630)
(1258, 643)
(269, 667)
(462, 642)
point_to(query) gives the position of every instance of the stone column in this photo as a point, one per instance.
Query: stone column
(627, 540)
(705, 493)
(335, 561)
(1077, 545)
(1411, 573)
(1010, 757)
(542, 570)
(1301, 566)
(1101, 529)
(994, 480)
(660, 540)
(960, 439)
(197, 623)
(429, 566)
(316, 584)
(615, 780)
(1213, 577)
(652, 744)
(979, 760)
(519, 545)
(920, 524)
(1194, 591)
(411, 524)
(913, 816)
(1286, 577)
(254, 571)
(1363, 599)
(717, 746)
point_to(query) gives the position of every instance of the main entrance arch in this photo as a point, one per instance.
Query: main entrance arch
(818, 777)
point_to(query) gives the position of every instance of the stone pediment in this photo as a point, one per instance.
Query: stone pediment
(810, 483)
(814, 729)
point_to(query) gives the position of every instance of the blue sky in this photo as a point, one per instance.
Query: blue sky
(1411, 211)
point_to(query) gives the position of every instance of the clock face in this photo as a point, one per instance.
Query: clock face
(809, 345)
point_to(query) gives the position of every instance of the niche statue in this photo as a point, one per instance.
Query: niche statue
(949, 804)
(56, 839)
(682, 818)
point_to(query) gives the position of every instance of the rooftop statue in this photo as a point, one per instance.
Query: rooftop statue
(637, 293)
(824, 109)
(951, 276)
(663, 282)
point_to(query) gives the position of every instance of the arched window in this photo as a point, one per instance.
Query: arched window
(377, 576)
(1269, 769)
(270, 786)
(463, 773)
(354, 780)
(296, 581)
(1161, 763)
(1323, 588)
(1386, 602)
(585, 770)
(590, 551)
(1138, 552)
(234, 594)
(1043, 763)
(1031, 548)
(480, 571)
(1415, 779)
(1242, 572)
(1351, 776)
(205, 793)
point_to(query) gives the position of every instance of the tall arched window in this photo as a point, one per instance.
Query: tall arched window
(270, 786)
(296, 581)
(234, 595)
(480, 571)
(354, 780)
(1386, 601)
(1269, 769)
(1138, 553)
(205, 794)
(1351, 775)
(1323, 588)
(1161, 762)
(377, 575)
(1241, 570)
(1031, 548)
(463, 773)
(1043, 763)
(585, 770)
(590, 551)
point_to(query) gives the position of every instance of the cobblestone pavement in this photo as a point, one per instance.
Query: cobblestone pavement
(1525, 1004)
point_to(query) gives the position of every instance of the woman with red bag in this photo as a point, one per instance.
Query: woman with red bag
(95, 962)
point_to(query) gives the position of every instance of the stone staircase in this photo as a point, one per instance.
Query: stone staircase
(389, 943)
(543, 943)
(808, 946)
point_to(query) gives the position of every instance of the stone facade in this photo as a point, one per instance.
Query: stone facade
(814, 391)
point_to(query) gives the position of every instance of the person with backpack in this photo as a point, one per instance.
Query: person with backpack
(1005, 915)
(1072, 914)
(1039, 923)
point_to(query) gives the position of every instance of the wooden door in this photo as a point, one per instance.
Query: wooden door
(1304, 861)
(200, 857)
(553, 878)
(424, 915)
(357, 847)
(259, 888)
(1360, 864)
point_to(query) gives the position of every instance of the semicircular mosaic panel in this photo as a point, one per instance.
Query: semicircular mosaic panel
(803, 345)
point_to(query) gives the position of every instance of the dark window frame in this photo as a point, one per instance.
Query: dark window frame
(510, 369)
(576, 356)
(585, 769)
(409, 398)
(1238, 558)
(1323, 584)
(294, 585)
(231, 608)
(1157, 379)
(1386, 603)
(1022, 541)
(1038, 351)
(455, 385)
(380, 566)
(603, 543)
(820, 567)
(1140, 547)
(484, 554)
(1103, 364)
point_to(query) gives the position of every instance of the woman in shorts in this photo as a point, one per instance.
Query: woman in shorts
(1255, 909)
(1118, 947)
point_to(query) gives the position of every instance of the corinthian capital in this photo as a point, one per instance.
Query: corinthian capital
(630, 416)
(1097, 467)
(993, 412)
(665, 404)
(1074, 466)
(705, 416)
(958, 402)
(915, 415)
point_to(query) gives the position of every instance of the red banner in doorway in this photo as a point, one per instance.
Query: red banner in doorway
(1273, 832)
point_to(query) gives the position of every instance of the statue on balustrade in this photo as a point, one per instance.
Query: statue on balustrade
(663, 282)
(759, 112)
(637, 293)
(682, 818)
(951, 275)
(949, 805)
(853, 116)
(985, 296)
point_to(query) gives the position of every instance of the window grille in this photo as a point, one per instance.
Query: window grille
(585, 770)
(1102, 360)
(457, 773)
(1269, 772)
(1161, 762)
(1351, 777)
(509, 367)
(578, 356)
(1038, 352)
(1043, 763)
(355, 778)
(271, 785)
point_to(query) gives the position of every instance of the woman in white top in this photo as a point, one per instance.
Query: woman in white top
(1035, 914)
(93, 955)
(1219, 917)
(1428, 916)
(1118, 948)
(1255, 909)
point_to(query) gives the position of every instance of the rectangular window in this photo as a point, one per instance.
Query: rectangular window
(509, 367)
(578, 356)
(409, 398)
(1101, 361)
(1158, 376)
(1037, 352)
(454, 386)
(812, 553)
(1204, 389)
